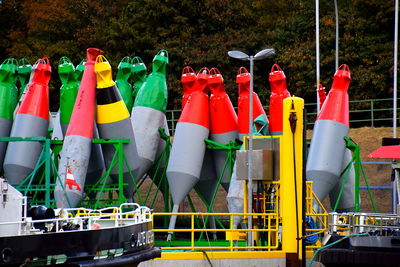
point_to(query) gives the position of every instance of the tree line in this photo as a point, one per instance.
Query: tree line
(200, 33)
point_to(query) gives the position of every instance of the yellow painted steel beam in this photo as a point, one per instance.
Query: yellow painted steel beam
(291, 159)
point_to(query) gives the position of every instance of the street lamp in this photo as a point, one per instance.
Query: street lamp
(243, 56)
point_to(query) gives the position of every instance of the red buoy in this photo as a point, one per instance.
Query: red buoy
(277, 80)
(243, 81)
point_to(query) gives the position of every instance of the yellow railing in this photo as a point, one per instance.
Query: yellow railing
(270, 220)
(317, 211)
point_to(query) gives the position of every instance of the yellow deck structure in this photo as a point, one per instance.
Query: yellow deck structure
(281, 220)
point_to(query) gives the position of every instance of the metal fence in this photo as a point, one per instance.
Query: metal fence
(369, 112)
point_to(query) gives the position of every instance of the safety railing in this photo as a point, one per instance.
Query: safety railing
(367, 112)
(356, 223)
(315, 210)
(233, 236)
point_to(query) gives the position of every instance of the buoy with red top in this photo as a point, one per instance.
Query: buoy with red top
(187, 152)
(113, 122)
(188, 81)
(325, 158)
(223, 124)
(77, 145)
(322, 95)
(279, 92)
(243, 81)
(32, 119)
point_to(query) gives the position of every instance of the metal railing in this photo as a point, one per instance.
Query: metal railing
(268, 235)
(368, 112)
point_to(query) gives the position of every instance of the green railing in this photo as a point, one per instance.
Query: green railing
(369, 112)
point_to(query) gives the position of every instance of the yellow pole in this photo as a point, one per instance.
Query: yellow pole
(291, 171)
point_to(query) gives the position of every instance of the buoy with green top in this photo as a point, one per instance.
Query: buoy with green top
(24, 73)
(79, 70)
(148, 113)
(139, 75)
(7, 86)
(68, 91)
(122, 80)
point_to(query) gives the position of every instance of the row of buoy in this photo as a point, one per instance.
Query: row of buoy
(93, 105)
(207, 112)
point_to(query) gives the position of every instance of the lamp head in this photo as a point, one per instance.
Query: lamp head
(264, 54)
(238, 55)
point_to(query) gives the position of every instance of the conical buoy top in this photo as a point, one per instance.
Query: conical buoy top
(188, 81)
(336, 105)
(154, 93)
(277, 80)
(243, 80)
(216, 82)
(8, 71)
(160, 62)
(66, 70)
(139, 74)
(36, 100)
(42, 71)
(24, 72)
(103, 72)
(84, 108)
(322, 95)
(79, 70)
(124, 69)
(202, 80)
(342, 78)
(279, 92)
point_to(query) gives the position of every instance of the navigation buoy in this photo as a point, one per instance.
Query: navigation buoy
(325, 158)
(7, 102)
(243, 81)
(68, 91)
(139, 75)
(223, 125)
(279, 92)
(188, 148)
(149, 111)
(76, 150)
(122, 80)
(188, 81)
(24, 73)
(113, 122)
(32, 119)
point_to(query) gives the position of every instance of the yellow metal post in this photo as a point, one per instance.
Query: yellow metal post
(291, 159)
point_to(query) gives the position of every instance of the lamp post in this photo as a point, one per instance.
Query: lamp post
(243, 56)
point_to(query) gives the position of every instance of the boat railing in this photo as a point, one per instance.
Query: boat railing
(84, 219)
(357, 223)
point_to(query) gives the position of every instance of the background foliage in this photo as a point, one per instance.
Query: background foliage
(199, 33)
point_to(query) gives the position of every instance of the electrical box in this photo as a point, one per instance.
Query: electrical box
(266, 160)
